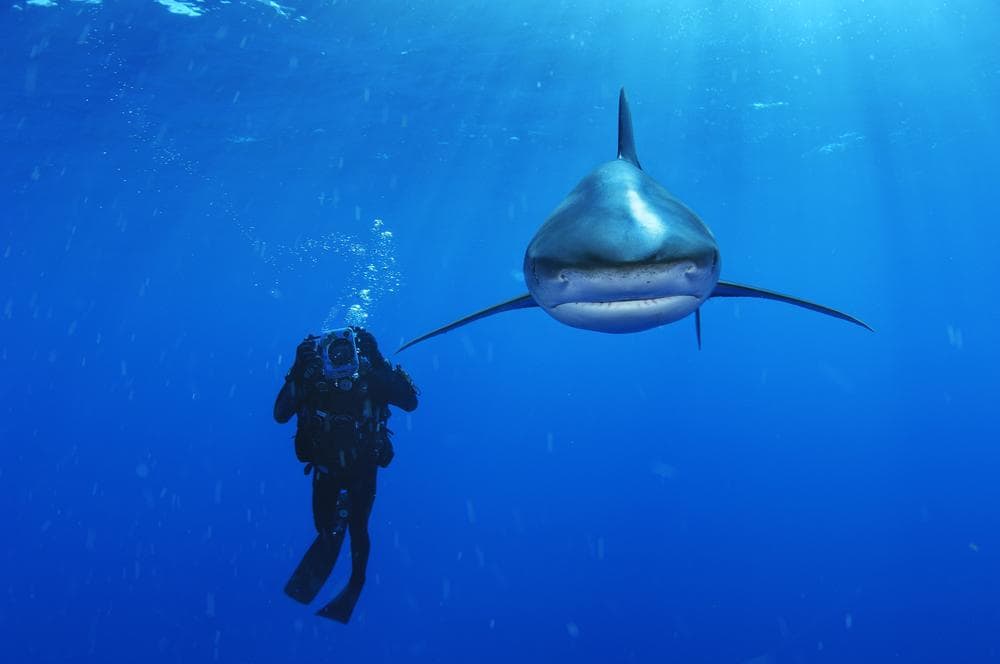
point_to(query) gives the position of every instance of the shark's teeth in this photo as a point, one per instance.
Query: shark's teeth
(609, 304)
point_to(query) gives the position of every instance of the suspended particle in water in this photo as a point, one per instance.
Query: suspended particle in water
(470, 512)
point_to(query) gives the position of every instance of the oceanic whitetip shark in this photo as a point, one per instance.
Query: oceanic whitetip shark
(621, 254)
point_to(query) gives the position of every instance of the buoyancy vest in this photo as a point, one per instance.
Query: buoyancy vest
(339, 429)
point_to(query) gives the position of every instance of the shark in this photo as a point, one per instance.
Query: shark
(622, 254)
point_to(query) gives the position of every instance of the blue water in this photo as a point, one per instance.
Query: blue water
(188, 188)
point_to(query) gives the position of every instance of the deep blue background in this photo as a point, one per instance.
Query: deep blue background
(798, 491)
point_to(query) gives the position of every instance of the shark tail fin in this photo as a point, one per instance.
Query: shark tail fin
(729, 289)
(626, 141)
(520, 302)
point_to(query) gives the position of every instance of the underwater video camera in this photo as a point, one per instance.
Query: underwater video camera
(341, 360)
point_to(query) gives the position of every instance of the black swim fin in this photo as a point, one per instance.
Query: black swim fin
(341, 607)
(315, 567)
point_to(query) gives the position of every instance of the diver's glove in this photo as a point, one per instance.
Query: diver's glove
(368, 348)
(373, 364)
(308, 364)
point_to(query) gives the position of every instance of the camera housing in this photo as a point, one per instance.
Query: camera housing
(341, 360)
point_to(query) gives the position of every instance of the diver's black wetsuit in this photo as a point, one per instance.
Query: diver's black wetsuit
(341, 434)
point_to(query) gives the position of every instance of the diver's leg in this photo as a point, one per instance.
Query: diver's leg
(362, 498)
(317, 564)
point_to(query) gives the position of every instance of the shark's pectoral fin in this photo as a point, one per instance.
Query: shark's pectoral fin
(729, 289)
(520, 302)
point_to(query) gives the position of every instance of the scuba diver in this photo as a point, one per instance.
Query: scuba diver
(340, 387)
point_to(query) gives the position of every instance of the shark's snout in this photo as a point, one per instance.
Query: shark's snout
(554, 286)
(643, 277)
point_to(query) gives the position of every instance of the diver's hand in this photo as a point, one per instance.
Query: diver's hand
(368, 347)
(306, 348)
(307, 360)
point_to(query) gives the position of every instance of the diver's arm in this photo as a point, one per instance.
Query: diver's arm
(402, 391)
(290, 397)
(394, 386)
(287, 402)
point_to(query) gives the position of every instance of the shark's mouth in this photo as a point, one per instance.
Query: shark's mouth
(625, 315)
(628, 303)
(622, 298)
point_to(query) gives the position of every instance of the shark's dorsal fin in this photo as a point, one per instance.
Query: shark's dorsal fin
(626, 142)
